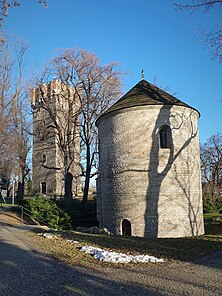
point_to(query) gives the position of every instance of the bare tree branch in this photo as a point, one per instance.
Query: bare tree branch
(94, 88)
(211, 165)
(14, 124)
(213, 40)
(5, 5)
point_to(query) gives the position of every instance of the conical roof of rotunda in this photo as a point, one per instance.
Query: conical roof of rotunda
(145, 93)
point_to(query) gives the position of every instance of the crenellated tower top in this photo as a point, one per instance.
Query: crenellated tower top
(39, 94)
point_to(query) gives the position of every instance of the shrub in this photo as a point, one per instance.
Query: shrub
(47, 212)
(209, 208)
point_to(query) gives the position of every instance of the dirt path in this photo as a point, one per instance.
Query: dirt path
(26, 271)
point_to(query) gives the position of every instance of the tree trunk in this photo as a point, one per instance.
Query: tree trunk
(86, 187)
(21, 182)
(87, 178)
(68, 186)
(8, 191)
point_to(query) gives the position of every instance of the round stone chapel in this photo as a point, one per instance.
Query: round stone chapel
(149, 182)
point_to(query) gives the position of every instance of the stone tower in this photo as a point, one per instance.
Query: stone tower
(51, 108)
(149, 182)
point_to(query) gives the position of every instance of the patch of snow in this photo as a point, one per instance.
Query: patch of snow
(72, 241)
(115, 257)
(47, 235)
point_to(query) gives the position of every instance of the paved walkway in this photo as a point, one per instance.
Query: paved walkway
(24, 270)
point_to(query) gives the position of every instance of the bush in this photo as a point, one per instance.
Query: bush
(210, 207)
(47, 212)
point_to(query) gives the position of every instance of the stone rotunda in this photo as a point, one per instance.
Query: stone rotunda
(149, 182)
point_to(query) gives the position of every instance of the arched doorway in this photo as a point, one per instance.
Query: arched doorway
(126, 227)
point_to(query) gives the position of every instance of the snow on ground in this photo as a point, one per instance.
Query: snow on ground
(114, 257)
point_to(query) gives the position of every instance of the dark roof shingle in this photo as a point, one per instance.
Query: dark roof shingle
(145, 93)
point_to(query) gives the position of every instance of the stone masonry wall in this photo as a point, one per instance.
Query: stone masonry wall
(157, 190)
(45, 140)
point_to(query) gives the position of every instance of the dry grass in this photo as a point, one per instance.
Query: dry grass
(64, 251)
(10, 219)
(177, 249)
(181, 249)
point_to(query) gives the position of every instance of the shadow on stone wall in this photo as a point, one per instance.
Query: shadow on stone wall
(155, 178)
(194, 210)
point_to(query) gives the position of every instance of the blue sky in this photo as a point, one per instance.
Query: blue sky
(148, 34)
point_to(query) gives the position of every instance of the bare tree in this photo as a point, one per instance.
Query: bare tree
(95, 87)
(212, 39)
(22, 135)
(6, 129)
(211, 165)
(14, 126)
(20, 115)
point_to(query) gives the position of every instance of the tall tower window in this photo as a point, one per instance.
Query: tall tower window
(43, 187)
(165, 137)
(43, 158)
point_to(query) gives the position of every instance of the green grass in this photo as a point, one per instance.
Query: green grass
(3, 205)
(212, 216)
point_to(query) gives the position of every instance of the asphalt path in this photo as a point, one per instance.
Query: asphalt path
(25, 270)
